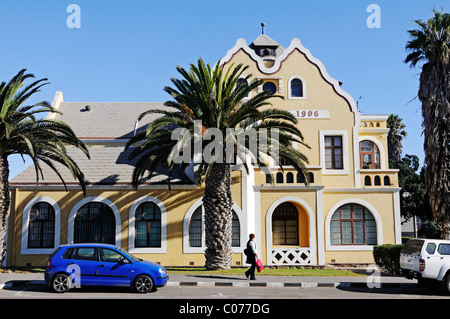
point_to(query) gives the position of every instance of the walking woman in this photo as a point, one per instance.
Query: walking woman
(252, 257)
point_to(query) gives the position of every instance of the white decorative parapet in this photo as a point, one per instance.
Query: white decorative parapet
(291, 256)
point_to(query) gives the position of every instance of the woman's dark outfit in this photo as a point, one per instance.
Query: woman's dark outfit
(251, 259)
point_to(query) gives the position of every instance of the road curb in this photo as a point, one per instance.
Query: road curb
(289, 284)
(18, 283)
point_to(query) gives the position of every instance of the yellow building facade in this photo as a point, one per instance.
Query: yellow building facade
(350, 205)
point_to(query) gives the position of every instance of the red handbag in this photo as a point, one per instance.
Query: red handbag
(259, 265)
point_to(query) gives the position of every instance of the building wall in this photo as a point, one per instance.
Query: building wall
(319, 95)
(176, 204)
(255, 199)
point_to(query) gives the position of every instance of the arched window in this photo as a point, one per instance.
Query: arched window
(95, 223)
(353, 224)
(300, 178)
(241, 81)
(387, 181)
(280, 178)
(296, 88)
(41, 229)
(235, 231)
(377, 181)
(289, 178)
(367, 181)
(285, 225)
(270, 86)
(148, 225)
(196, 229)
(311, 177)
(369, 155)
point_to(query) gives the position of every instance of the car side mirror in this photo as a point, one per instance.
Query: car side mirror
(125, 261)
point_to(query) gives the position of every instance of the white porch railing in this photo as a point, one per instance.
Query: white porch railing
(291, 256)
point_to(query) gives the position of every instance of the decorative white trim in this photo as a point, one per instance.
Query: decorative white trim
(374, 117)
(60, 186)
(356, 160)
(345, 161)
(81, 203)
(25, 222)
(200, 250)
(288, 187)
(312, 229)
(320, 228)
(132, 228)
(397, 218)
(187, 218)
(241, 44)
(379, 189)
(290, 97)
(375, 215)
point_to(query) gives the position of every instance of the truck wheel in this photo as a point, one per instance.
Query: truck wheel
(447, 284)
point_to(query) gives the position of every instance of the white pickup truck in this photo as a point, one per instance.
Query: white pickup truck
(427, 260)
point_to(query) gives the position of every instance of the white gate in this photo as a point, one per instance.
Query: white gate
(291, 256)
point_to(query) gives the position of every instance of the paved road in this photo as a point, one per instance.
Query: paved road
(36, 291)
(222, 297)
(27, 286)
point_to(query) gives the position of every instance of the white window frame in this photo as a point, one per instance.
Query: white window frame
(26, 221)
(345, 158)
(375, 215)
(380, 149)
(98, 199)
(132, 228)
(290, 97)
(187, 249)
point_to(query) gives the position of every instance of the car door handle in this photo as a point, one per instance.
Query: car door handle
(101, 265)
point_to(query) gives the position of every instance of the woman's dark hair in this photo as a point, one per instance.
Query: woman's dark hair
(251, 236)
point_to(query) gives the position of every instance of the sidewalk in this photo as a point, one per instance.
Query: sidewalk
(14, 279)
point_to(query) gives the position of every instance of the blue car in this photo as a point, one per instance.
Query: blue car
(78, 265)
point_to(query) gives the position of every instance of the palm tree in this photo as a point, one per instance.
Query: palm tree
(213, 101)
(395, 136)
(430, 44)
(21, 132)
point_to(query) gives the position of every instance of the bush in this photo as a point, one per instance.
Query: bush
(387, 257)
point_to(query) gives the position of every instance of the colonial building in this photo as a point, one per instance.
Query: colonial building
(350, 205)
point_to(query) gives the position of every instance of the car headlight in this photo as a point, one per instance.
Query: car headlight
(163, 272)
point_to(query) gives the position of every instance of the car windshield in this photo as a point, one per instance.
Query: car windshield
(127, 254)
(412, 247)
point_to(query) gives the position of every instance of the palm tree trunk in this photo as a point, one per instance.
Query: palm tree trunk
(217, 203)
(4, 204)
(435, 96)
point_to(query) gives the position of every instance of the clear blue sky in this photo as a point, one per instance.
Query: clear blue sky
(128, 50)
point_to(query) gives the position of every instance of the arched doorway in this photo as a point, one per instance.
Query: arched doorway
(290, 225)
(95, 223)
(289, 233)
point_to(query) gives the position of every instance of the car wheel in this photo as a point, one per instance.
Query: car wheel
(61, 283)
(143, 284)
